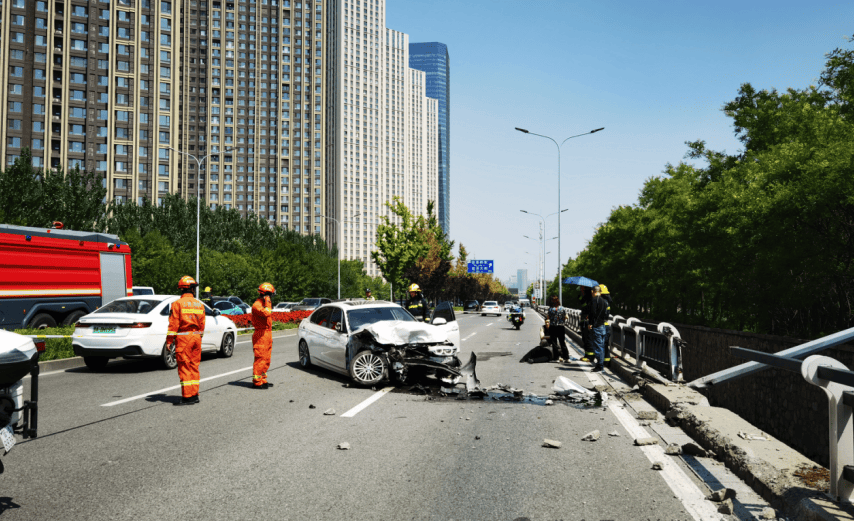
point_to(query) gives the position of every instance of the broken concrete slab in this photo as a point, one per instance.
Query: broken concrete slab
(768, 513)
(344, 446)
(591, 436)
(673, 450)
(721, 495)
(329, 412)
(726, 507)
(657, 465)
(692, 449)
(552, 444)
(615, 433)
(648, 415)
(549, 402)
(640, 442)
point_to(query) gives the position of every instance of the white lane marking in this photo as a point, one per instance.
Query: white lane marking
(132, 398)
(490, 323)
(683, 488)
(374, 397)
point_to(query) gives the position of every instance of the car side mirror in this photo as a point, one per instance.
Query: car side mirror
(217, 312)
(339, 327)
(438, 321)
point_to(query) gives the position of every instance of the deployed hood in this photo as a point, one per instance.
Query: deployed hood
(402, 333)
(15, 348)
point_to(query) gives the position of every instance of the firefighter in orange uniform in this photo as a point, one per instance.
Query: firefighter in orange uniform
(186, 327)
(262, 338)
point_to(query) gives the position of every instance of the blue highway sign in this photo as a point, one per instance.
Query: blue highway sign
(480, 266)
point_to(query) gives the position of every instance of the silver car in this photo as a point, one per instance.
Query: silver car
(371, 341)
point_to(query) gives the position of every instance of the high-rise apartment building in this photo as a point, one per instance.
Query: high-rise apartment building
(522, 280)
(119, 87)
(382, 129)
(433, 59)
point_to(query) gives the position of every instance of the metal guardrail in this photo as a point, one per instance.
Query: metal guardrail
(657, 345)
(838, 384)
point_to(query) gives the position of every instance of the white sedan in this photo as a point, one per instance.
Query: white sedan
(135, 327)
(369, 340)
(490, 307)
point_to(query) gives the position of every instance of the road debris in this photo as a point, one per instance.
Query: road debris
(674, 449)
(692, 449)
(640, 442)
(549, 402)
(748, 436)
(657, 465)
(344, 446)
(552, 444)
(591, 436)
(477, 437)
(311, 406)
(615, 433)
(726, 507)
(768, 513)
(648, 415)
(721, 495)
(564, 386)
(329, 412)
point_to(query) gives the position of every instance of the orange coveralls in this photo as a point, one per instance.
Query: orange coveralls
(262, 339)
(187, 316)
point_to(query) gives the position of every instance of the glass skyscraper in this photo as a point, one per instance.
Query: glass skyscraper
(433, 59)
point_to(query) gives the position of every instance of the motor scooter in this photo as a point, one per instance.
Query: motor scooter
(516, 317)
(19, 357)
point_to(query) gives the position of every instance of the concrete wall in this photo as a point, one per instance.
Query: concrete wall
(777, 401)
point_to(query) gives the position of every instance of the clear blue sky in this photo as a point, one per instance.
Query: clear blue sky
(654, 74)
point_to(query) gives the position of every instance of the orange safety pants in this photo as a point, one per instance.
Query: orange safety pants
(188, 353)
(262, 345)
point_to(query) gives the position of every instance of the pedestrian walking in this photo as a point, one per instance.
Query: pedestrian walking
(417, 304)
(186, 327)
(262, 338)
(368, 295)
(557, 318)
(596, 313)
(607, 296)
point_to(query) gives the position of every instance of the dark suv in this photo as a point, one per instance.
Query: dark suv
(471, 305)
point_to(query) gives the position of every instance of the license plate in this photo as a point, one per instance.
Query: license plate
(8, 437)
(104, 330)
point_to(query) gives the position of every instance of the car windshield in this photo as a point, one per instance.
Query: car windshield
(310, 302)
(362, 317)
(134, 306)
(490, 303)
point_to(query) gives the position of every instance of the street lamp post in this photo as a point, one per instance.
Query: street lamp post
(543, 245)
(559, 258)
(198, 200)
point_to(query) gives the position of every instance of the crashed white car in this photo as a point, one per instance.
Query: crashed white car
(372, 341)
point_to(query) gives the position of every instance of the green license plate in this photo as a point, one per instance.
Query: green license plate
(104, 330)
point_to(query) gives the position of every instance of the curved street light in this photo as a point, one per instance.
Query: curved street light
(560, 259)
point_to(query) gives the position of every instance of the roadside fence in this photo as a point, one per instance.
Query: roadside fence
(659, 346)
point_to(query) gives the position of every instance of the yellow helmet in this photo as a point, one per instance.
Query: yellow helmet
(604, 289)
(414, 287)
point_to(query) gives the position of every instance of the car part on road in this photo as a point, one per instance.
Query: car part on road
(226, 349)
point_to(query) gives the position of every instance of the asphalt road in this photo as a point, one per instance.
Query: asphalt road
(244, 453)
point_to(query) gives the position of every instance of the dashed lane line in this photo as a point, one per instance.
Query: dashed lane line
(172, 388)
(471, 335)
(374, 397)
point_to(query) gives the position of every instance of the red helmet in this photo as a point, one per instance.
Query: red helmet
(266, 288)
(187, 282)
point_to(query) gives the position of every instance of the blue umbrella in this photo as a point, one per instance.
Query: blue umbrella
(581, 281)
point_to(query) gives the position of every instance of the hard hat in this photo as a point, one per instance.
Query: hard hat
(367, 290)
(414, 287)
(604, 289)
(207, 289)
(266, 288)
(187, 282)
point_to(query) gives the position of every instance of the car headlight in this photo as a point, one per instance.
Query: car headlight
(443, 350)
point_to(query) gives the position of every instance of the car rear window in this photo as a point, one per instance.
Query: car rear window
(490, 303)
(137, 307)
(310, 302)
(362, 317)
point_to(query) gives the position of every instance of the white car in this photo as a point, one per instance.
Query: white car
(370, 340)
(135, 327)
(490, 307)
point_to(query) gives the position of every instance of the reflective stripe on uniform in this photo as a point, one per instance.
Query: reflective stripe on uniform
(257, 376)
(190, 382)
(171, 332)
(191, 311)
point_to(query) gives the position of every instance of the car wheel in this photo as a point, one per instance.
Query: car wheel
(167, 356)
(483, 314)
(226, 349)
(41, 321)
(73, 317)
(304, 355)
(368, 368)
(96, 363)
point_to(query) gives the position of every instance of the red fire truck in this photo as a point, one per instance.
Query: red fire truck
(55, 276)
